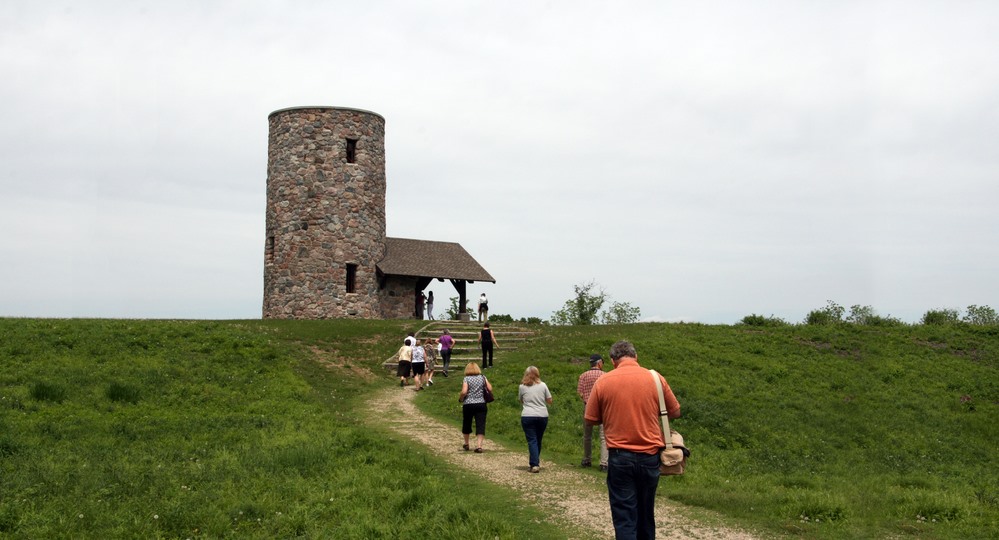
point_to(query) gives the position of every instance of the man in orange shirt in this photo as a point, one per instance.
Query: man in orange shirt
(626, 402)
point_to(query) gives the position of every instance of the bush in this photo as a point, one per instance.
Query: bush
(584, 309)
(760, 320)
(501, 318)
(831, 314)
(621, 313)
(865, 315)
(940, 317)
(122, 392)
(43, 391)
(981, 315)
(452, 312)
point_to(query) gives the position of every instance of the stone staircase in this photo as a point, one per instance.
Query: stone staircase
(466, 334)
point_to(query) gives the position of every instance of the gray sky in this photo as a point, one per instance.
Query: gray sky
(700, 160)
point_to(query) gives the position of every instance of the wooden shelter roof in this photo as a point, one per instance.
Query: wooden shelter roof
(430, 259)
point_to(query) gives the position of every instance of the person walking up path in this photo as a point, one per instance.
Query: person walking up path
(535, 397)
(430, 348)
(585, 386)
(419, 365)
(473, 405)
(486, 340)
(447, 343)
(405, 361)
(627, 405)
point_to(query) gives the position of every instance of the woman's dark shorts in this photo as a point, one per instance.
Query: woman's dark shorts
(403, 369)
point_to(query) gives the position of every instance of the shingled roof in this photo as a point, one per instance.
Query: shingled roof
(427, 258)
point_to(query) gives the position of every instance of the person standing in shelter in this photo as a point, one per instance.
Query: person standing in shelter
(473, 406)
(583, 388)
(421, 299)
(405, 360)
(447, 343)
(626, 402)
(483, 307)
(419, 365)
(535, 397)
(486, 341)
(430, 305)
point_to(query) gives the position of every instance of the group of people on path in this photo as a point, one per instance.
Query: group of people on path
(621, 410)
(418, 360)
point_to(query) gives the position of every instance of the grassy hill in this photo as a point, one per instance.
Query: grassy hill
(255, 429)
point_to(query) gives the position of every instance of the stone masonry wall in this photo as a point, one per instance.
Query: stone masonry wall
(323, 213)
(398, 298)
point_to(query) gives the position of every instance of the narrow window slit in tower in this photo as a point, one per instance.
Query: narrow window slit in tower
(270, 249)
(351, 277)
(351, 150)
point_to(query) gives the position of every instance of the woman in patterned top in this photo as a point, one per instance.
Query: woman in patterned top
(473, 405)
(419, 365)
(431, 357)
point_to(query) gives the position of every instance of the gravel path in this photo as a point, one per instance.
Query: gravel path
(574, 499)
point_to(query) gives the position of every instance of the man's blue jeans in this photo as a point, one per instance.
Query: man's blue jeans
(632, 480)
(534, 430)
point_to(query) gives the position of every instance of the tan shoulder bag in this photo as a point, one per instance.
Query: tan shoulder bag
(673, 459)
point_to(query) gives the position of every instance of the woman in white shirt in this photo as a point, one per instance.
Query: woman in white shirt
(535, 397)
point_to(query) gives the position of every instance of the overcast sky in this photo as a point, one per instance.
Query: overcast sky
(700, 160)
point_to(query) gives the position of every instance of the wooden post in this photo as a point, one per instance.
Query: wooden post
(459, 285)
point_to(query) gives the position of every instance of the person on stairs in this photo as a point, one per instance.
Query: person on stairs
(486, 341)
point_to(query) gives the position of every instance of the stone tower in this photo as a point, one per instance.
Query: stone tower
(325, 213)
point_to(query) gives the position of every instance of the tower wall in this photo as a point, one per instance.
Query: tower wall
(325, 213)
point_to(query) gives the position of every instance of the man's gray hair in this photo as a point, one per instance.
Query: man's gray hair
(622, 349)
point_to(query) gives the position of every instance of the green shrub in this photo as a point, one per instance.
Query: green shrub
(501, 318)
(43, 391)
(7, 447)
(831, 314)
(981, 315)
(760, 320)
(120, 392)
(940, 317)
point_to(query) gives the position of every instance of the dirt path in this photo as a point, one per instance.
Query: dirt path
(574, 499)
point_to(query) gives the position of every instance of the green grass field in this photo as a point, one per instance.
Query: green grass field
(195, 429)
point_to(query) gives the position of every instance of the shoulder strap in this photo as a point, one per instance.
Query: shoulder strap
(663, 418)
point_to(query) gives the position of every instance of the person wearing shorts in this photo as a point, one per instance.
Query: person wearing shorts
(419, 366)
(473, 406)
(405, 362)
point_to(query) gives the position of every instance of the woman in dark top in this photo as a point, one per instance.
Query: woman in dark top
(486, 340)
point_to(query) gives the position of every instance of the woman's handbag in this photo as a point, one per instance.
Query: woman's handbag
(673, 459)
(487, 395)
